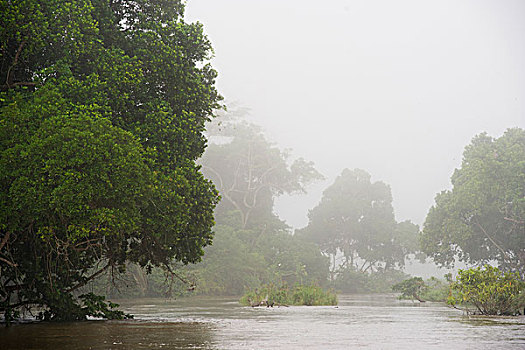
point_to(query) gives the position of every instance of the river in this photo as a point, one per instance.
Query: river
(358, 322)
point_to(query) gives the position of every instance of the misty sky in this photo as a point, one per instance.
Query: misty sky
(397, 88)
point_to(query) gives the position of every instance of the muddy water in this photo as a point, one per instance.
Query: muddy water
(367, 322)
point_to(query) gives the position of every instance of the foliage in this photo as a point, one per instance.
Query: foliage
(102, 111)
(432, 289)
(436, 290)
(482, 219)
(489, 290)
(252, 246)
(67, 309)
(411, 288)
(94, 306)
(270, 294)
(230, 265)
(355, 218)
(243, 259)
(234, 263)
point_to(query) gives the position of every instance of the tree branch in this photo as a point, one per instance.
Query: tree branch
(4, 239)
(8, 262)
(226, 195)
(505, 254)
(176, 275)
(520, 222)
(83, 283)
(22, 303)
(9, 76)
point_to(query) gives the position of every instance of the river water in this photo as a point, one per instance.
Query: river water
(358, 322)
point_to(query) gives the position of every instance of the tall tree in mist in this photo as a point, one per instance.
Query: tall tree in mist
(355, 218)
(102, 113)
(250, 173)
(482, 219)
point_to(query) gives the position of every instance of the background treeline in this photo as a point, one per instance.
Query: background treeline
(352, 242)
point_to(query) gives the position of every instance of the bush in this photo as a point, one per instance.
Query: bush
(489, 290)
(271, 294)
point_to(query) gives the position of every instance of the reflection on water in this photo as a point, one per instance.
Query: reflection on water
(107, 335)
(376, 322)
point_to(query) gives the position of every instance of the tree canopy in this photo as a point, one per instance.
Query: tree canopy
(482, 218)
(250, 173)
(102, 115)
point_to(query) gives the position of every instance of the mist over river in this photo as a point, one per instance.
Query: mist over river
(359, 321)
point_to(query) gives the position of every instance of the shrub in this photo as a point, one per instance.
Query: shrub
(411, 288)
(489, 290)
(271, 294)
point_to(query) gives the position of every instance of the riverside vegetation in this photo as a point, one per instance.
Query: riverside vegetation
(482, 291)
(488, 291)
(270, 295)
(249, 254)
(103, 107)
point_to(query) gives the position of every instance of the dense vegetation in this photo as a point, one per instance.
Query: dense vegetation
(253, 247)
(102, 112)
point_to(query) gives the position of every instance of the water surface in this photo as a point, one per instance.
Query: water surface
(359, 322)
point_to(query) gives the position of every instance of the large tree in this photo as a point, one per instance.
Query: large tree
(355, 219)
(482, 218)
(250, 172)
(103, 106)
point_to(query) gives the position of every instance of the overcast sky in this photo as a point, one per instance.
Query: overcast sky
(397, 88)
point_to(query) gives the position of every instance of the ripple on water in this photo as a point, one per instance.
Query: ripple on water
(377, 322)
